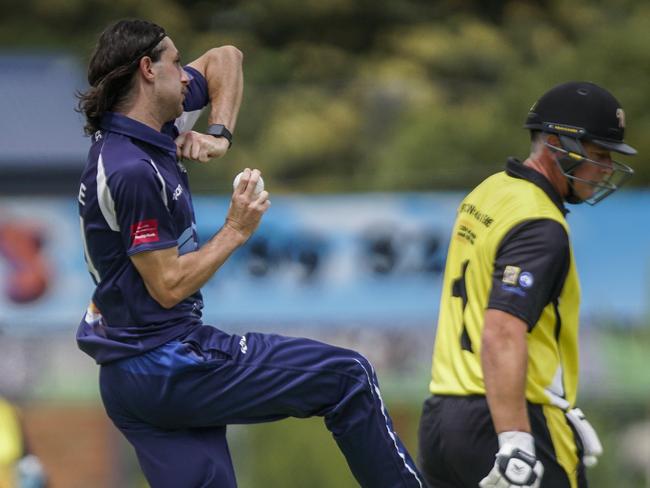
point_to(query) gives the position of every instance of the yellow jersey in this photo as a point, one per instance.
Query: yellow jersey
(510, 250)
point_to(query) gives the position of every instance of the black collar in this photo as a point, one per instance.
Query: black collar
(516, 169)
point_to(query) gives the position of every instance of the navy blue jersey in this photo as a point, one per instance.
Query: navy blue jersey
(134, 197)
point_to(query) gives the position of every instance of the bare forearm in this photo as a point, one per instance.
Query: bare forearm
(223, 72)
(196, 268)
(504, 358)
(222, 69)
(171, 278)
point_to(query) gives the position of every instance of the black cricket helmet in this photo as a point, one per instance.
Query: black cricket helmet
(577, 111)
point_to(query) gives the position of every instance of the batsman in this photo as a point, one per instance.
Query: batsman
(505, 363)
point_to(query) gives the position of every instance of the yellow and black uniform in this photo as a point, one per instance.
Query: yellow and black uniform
(11, 443)
(509, 251)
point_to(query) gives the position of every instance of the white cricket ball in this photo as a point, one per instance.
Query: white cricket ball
(259, 188)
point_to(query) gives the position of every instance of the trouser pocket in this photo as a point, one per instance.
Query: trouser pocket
(208, 344)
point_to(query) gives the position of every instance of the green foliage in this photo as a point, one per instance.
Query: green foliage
(293, 452)
(353, 95)
(302, 452)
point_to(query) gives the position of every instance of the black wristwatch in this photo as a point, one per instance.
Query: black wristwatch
(219, 130)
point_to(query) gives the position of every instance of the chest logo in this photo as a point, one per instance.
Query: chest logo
(178, 192)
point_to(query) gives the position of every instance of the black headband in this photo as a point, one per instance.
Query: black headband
(150, 46)
(143, 52)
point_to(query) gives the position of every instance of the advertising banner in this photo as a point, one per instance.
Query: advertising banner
(368, 260)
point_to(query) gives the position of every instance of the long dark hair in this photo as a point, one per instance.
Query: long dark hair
(112, 65)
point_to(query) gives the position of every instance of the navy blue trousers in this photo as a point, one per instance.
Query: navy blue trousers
(173, 404)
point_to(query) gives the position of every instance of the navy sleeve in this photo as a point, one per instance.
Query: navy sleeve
(530, 268)
(195, 99)
(141, 208)
(197, 91)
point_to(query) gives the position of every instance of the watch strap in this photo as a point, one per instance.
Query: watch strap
(220, 130)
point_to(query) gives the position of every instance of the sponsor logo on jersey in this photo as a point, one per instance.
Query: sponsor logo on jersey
(526, 279)
(513, 289)
(144, 231)
(465, 232)
(177, 192)
(511, 274)
(242, 345)
(478, 214)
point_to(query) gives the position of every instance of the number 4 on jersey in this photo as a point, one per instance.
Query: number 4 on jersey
(459, 290)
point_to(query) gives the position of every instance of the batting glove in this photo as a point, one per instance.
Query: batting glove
(515, 464)
(590, 441)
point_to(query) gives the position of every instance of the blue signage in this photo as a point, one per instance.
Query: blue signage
(360, 260)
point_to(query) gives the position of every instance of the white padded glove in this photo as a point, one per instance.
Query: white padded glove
(590, 441)
(515, 464)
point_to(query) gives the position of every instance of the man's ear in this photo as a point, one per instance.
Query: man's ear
(145, 67)
(553, 140)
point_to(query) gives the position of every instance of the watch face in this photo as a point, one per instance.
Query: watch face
(217, 130)
(220, 130)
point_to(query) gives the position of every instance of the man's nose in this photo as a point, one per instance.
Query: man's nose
(607, 166)
(185, 77)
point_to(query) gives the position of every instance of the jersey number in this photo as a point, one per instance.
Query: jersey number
(459, 290)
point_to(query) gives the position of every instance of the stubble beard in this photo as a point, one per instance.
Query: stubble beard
(172, 110)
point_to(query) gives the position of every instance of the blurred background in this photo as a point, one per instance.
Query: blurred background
(369, 120)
